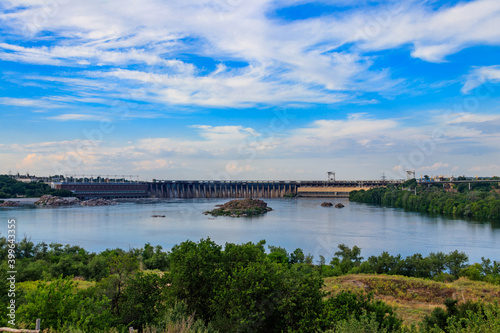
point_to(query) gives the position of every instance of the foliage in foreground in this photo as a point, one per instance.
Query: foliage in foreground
(201, 287)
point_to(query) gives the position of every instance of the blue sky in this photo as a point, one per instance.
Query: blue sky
(233, 89)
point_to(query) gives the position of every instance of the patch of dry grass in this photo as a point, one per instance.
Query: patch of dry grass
(413, 298)
(31, 285)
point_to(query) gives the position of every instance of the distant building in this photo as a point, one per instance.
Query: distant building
(27, 180)
(104, 190)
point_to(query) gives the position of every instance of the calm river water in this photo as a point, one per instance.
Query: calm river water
(293, 223)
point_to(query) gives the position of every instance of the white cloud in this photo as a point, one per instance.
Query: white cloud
(331, 134)
(459, 118)
(435, 166)
(234, 168)
(284, 63)
(27, 102)
(158, 164)
(52, 146)
(349, 145)
(225, 133)
(486, 168)
(215, 141)
(433, 53)
(480, 76)
(281, 61)
(18, 101)
(86, 55)
(224, 88)
(58, 163)
(433, 33)
(75, 116)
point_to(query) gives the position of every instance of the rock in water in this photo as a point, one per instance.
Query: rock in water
(9, 204)
(237, 208)
(97, 202)
(339, 205)
(50, 200)
(326, 204)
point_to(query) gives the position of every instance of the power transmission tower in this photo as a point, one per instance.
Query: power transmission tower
(410, 174)
(331, 176)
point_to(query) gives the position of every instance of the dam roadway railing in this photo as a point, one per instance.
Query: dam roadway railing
(255, 189)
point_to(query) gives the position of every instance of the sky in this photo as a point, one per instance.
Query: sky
(250, 90)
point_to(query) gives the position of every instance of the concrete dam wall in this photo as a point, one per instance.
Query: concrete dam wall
(256, 189)
(221, 189)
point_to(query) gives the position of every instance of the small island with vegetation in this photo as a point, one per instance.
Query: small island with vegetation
(241, 208)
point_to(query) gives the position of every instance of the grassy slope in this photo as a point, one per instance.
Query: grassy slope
(414, 298)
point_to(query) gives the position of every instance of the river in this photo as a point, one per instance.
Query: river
(293, 223)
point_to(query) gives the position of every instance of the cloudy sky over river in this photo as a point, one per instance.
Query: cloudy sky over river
(233, 89)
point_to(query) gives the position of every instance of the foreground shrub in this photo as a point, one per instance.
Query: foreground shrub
(347, 306)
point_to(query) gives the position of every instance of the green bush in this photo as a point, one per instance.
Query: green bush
(439, 318)
(348, 306)
(58, 303)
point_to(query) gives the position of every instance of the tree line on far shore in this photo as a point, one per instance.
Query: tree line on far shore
(11, 188)
(481, 202)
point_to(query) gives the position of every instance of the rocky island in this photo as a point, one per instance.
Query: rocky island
(8, 204)
(241, 208)
(50, 200)
(97, 202)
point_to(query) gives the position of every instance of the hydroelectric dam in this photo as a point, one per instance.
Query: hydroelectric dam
(216, 189)
(86, 187)
(186, 189)
(260, 189)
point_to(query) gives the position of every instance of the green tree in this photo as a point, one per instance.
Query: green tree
(383, 264)
(58, 304)
(196, 274)
(297, 256)
(278, 254)
(250, 299)
(455, 262)
(122, 266)
(155, 258)
(144, 299)
(347, 258)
